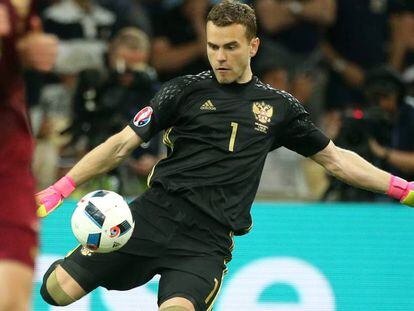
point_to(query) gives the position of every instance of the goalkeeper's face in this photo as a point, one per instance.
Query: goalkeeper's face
(229, 52)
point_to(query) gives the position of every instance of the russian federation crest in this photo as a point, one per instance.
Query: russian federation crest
(263, 113)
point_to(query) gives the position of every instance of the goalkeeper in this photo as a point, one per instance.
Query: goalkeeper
(219, 126)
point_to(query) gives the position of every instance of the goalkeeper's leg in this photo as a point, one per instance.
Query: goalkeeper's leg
(81, 271)
(177, 304)
(59, 288)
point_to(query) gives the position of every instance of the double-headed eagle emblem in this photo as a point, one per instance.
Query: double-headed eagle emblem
(262, 112)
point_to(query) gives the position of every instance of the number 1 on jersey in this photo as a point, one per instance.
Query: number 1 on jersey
(234, 126)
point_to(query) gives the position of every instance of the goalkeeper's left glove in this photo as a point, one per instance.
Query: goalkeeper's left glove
(402, 190)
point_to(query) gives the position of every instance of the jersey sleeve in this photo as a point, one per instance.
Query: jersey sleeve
(161, 112)
(301, 135)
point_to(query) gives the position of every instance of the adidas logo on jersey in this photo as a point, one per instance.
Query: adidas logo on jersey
(208, 105)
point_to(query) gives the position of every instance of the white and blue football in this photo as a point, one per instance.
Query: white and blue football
(102, 221)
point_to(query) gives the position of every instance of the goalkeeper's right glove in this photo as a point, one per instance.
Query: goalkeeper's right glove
(50, 199)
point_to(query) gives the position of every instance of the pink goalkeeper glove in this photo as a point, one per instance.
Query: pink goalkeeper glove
(402, 190)
(49, 199)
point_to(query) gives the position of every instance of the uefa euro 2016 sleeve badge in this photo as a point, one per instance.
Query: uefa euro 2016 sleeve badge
(143, 117)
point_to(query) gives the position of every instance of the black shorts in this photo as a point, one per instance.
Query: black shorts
(171, 238)
(197, 278)
(166, 223)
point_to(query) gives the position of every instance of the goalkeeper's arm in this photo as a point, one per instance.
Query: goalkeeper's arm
(106, 156)
(355, 171)
(101, 159)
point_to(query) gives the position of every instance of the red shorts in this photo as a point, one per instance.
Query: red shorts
(18, 243)
(18, 221)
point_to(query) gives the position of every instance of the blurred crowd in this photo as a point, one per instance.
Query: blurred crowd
(349, 62)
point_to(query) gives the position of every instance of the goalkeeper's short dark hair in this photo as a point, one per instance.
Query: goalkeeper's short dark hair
(228, 12)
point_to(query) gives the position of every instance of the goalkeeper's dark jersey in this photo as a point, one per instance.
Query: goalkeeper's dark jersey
(218, 136)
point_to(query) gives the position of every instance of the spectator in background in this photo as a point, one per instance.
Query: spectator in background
(154, 8)
(179, 42)
(128, 13)
(292, 31)
(49, 118)
(355, 43)
(105, 99)
(382, 134)
(408, 77)
(386, 89)
(402, 36)
(275, 72)
(295, 26)
(22, 44)
(402, 42)
(84, 29)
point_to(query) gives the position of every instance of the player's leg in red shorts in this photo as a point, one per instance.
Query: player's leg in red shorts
(18, 222)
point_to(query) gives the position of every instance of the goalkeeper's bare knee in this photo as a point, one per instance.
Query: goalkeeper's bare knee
(59, 288)
(175, 308)
(177, 304)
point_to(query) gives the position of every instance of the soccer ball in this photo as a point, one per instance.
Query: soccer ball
(102, 221)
